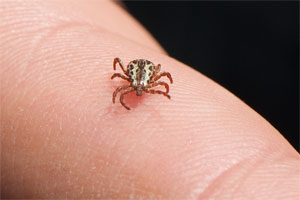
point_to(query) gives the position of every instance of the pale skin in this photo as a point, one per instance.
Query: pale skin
(62, 137)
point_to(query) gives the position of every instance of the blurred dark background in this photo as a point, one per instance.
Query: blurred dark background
(250, 48)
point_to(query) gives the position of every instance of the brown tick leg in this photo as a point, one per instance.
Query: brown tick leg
(121, 76)
(159, 83)
(122, 97)
(164, 74)
(157, 69)
(118, 90)
(158, 92)
(118, 60)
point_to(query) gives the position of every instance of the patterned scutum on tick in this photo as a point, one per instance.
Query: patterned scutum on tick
(140, 72)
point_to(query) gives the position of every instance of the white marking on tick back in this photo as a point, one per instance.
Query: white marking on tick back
(140, 75)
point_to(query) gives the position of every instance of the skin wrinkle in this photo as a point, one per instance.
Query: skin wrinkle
(225, 185)
(202, 188)
(266, 182)
(205, 193)
(251, 165)
(244, 168)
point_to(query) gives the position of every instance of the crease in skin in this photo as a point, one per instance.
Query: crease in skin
(231, 182)
(241, 169)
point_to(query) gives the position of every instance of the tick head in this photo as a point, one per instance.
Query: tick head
(139, 90)
(141, 63)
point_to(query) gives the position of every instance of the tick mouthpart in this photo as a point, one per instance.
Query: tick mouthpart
(139, 90)
(141, 63)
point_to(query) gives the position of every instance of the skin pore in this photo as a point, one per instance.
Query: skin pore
(62, 137)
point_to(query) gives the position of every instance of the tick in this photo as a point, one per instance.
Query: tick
(142, 76)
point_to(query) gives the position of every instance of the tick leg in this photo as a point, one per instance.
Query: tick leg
(158, 92)
(121, 76)
(118, 60)
(118, 90)
(164, 74)
(122, 97)
(159, 83)
(157, 68)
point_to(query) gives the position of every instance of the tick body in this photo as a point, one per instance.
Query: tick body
(142, 75)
